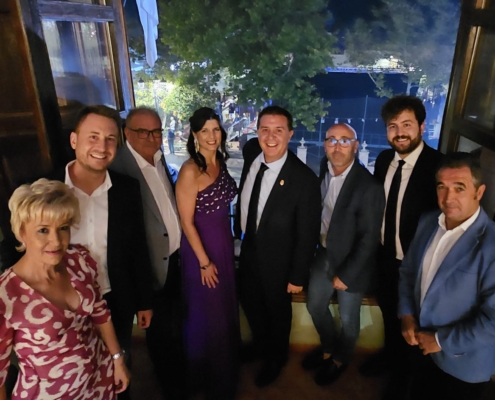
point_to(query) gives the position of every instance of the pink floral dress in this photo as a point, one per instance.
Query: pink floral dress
(61, 355)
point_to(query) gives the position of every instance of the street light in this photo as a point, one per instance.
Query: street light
(141, 83)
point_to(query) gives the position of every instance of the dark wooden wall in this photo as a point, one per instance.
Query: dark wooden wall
(24, 147)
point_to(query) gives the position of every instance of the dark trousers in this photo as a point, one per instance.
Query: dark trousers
(269, 313)
(122, 322)
(429, 382)
(387, 295)
(164, 335)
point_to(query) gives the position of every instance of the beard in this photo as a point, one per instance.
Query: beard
(413, 144)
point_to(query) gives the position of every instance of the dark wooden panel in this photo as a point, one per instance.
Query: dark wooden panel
(119, 40)
(4, 6)
(66, 11)
(17, 121)
(11, 78)
(482, 18)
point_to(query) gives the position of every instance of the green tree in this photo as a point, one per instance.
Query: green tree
(183, 101)
(257, 49)
(421, 34)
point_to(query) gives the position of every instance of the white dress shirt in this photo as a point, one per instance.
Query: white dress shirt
(163, 193)
(330, 190)
(269, 178)
(442, 243)
(407, 168)
(92, 231)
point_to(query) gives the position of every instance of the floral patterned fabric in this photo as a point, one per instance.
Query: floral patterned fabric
(61, 356)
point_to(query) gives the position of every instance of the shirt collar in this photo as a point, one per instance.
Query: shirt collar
(343, 174)
(142, 163)
(412, 158)
(275, 166)
(105, 186)
(464, 226)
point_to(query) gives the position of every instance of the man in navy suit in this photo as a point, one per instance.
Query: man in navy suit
(279, 212)
(350, 236)
(447, 288)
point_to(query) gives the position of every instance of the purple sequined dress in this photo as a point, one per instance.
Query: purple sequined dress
(211, 324)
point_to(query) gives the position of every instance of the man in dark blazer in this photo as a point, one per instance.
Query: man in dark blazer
(447, 289)
(279, 214)
(111, 226)
(349, 239)
(140, 157)
(407, 172)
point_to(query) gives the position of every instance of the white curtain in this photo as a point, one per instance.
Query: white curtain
(148, 14)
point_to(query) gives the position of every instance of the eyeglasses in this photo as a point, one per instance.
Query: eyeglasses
(144, 133)
(344, 142)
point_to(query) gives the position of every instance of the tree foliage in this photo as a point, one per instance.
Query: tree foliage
(420, 33)
(256, 49)
(183, 101)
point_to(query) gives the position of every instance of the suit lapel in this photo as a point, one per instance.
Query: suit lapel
(135, 172)
(456, 256)
(381, 172)
(424, 244)
(278, 192)
(347, 189)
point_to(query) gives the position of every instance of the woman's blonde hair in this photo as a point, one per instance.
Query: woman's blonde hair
(44, 199)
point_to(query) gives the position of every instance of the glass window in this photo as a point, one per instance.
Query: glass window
(82, 66)
(480, 102)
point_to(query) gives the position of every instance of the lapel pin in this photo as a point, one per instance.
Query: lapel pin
(282, 182)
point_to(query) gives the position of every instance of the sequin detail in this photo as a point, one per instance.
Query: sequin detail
(220, 193)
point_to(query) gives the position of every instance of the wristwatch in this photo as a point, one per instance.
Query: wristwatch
(116, 356)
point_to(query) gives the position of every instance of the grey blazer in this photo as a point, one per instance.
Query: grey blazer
(156, 232)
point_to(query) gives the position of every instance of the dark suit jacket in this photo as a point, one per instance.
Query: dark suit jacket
(156, 232)
(288, 230)
(354, 233)
(129, 266)
(421, 192)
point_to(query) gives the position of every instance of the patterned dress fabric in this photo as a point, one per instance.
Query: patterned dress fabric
(61, 355)
(212, 317)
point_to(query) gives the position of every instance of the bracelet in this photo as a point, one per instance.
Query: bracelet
(116, 356)
(205, 266)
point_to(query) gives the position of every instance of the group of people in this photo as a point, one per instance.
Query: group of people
(111, 238)
(420, 221)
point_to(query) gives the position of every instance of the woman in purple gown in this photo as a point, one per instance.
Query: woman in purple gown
(204, 192)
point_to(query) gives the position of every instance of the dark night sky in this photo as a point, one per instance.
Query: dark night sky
(344, 12)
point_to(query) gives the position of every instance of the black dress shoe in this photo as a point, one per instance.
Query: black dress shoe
(313, 360)
(374, 365)
(268, 374)
(329, 372)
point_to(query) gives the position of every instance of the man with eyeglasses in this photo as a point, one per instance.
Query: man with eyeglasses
(141, 158)
(352, 210)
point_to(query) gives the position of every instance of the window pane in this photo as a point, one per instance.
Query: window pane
(480, 102)
(81, 63)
